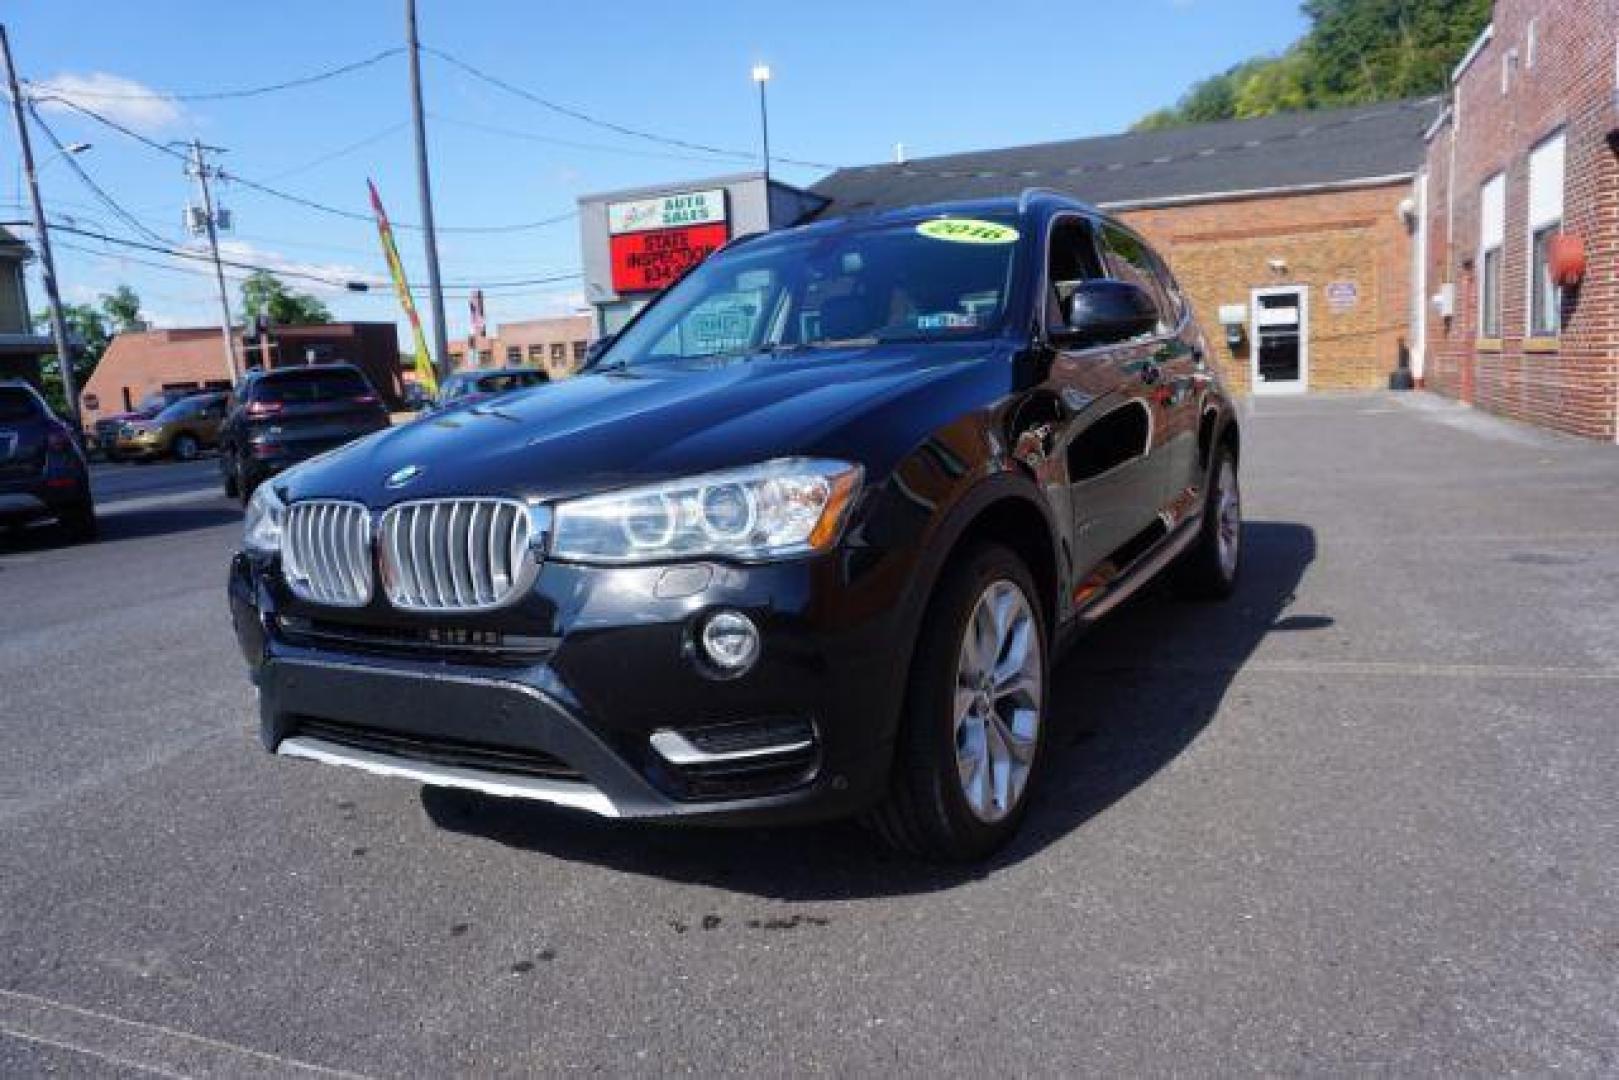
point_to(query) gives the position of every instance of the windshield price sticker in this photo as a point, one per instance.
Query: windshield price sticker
(967, 231)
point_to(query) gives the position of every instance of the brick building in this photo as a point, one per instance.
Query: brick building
(556, 344)
(1296, 229)
(136, 365)
(1528, 149)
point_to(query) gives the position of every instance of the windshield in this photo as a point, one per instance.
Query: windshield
(944, 279)
(295, 387)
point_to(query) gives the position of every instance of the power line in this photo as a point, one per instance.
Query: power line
(301, 200)
(289, 272)
(335, 154)
(596, 121)
(530, 136)
(72, 160)
(245, 92)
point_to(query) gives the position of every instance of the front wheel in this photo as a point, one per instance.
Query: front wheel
(1208, 571)
(79, 522)
(186, 447)
(969, 748)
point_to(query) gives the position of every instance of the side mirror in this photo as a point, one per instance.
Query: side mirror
(1104, 311)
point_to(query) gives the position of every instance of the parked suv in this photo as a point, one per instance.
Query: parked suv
(43, 473)
(287, 415)
(181, 430)
(800, 543)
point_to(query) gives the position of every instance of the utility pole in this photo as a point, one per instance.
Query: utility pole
(435, 291)
(199, 168)
(42, 236)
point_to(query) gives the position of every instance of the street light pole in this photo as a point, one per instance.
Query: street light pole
(42, 236)
(761, 75)
(435, 291)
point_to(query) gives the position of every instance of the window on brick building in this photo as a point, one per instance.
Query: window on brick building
(559, 351)
(1545, 222)
(1492, 232)
(536, 353)
(579, 348)
(514, 355)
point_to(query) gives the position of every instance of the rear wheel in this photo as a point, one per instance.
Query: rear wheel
(1208, 571)
(186, 447)
(969, 748)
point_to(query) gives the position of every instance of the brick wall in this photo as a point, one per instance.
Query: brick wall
(1220, 251)
(1570, 383)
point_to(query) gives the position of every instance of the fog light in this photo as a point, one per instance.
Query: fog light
(730, 642)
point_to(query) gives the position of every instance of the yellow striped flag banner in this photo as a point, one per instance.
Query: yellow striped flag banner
(425, 375)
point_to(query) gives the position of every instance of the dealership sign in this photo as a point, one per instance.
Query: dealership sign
(654, 241)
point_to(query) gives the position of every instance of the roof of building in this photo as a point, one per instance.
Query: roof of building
(1305, 150)
(12, 246)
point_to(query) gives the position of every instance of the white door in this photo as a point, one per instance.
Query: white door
(1281, 340)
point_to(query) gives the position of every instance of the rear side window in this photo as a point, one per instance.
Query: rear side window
(17, 404)
(310, 386)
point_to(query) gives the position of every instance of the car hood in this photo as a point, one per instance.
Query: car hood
(599, 431)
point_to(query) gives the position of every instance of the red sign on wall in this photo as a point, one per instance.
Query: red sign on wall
(649, 261)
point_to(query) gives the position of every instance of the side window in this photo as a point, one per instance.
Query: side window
(1073, 260)
(1128, 259)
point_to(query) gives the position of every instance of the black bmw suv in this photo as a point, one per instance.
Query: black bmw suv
(799, 543)
(43, 472)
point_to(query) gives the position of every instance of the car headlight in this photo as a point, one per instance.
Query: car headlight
(780, 508)
(261, 529)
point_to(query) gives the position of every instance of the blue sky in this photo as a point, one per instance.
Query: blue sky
(850, 80)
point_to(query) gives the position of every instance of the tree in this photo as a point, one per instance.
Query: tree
(122, 307)
(1355, 51)
(87, 330)
(264, 294)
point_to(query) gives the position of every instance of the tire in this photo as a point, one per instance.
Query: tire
(945, 801)
(227, 474)
(247, 482)
(185, 447)
(78, 522)
(1209, 569)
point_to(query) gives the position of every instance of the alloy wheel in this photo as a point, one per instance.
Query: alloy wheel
(998, 700)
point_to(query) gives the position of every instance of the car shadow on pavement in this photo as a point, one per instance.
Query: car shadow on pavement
(123, 525)
(1128, 699)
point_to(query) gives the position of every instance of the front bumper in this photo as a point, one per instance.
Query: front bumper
(559, 698)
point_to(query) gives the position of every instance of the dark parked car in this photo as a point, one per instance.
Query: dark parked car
(465, 387)
(800, 543)
(43, 473)
(287, 415)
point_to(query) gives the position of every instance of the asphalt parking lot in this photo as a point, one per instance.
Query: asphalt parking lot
(1360, 818)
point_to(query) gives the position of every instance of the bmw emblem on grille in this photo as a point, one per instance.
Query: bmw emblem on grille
(400, 477)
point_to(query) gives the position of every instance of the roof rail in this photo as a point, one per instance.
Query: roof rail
(1030, 192)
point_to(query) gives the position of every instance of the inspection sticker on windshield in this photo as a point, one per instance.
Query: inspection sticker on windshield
(967, 231)
(947, 320)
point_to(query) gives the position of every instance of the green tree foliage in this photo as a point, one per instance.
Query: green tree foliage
(264, 294)
(1355, 51)
(87, 329)
(122, 307)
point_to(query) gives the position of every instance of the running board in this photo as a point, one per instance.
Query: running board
(1142, 571)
